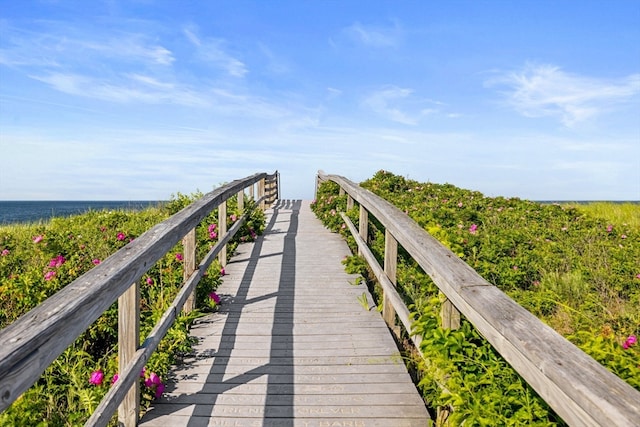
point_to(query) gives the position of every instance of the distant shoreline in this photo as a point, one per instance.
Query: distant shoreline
(33, 211)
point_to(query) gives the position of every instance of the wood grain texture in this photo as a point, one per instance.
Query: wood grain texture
(30, 344)
(291, 344)
(577, 387)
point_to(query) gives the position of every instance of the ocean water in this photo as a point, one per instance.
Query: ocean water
(34, 211)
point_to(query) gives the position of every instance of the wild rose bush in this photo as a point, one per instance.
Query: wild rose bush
(37, 260)
(577, 272)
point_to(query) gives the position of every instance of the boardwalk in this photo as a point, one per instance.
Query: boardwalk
(291, 346)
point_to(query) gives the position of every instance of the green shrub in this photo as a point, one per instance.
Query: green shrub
(37, 260)
(578, 272)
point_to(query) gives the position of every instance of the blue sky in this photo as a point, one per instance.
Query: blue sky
(142, 99)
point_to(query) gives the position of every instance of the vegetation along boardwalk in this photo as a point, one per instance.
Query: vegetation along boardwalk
(292, 345)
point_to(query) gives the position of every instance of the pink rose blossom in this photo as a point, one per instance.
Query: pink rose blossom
(213, 235)
(115, 378)
(37, 239)
(49, 275)
(215, 297)
(179, 256)
(96, 261)
(96, 377)
(121, 236)
(609, 228)
(159, 390)
(233, 218)
(153, 380)
(631, 340)
(5, 252)
(57, 261)
(212, 227)
(149, 281)
(473, 229)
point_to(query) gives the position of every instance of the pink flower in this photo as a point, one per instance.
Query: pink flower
(609, 228)
(49, 275)
(143, 371)
(631, 340)
(159, 390)
(115, 378)
(57, 261)
(623, 236)
(212, 227)
(96, 261)
(38, 238)
(179, 256)
(638, 276)
(121, 236)
(222, 272)
(215, 297)
(5, 252)
(213, 235)
(473, 229)
(233, 218)
(149, 282)
(460, 204)
(153, 380)
(96, 377)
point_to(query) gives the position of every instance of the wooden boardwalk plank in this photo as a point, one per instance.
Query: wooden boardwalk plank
(291, 345)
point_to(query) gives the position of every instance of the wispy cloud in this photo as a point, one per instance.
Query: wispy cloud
(547, 90)
(375, 36)
(212, 50)
(397, 104)
(123, 88)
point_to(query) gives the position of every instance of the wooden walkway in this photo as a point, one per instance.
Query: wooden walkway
(291, 345)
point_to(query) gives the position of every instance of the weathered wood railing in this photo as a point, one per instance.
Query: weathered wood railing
(577, 387)
(34, 341)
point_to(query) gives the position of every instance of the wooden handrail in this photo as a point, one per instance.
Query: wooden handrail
(578, 388)
(35, 340)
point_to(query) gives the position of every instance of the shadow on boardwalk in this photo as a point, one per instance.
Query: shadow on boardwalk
(291, 345)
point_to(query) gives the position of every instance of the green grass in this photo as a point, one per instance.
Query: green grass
(615, 213)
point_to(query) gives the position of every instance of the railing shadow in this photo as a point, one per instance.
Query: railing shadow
(280, 368)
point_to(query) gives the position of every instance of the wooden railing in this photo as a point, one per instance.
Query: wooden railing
(35, 340)
(578, 388)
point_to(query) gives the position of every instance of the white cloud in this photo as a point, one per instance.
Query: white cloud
(547, 90)
(123, 89)
(398, 104)
(382, 102)
(372, 36)
(212, 51)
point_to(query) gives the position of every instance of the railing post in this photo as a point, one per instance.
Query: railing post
(189, 266)
(251, 192)
(349, 202)
(390, 264)
(341, 192)
(222, 230)
(128, 342)
(261, 192)
(240, 201)
(363, 226)
(268, 188)
(450, 315)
